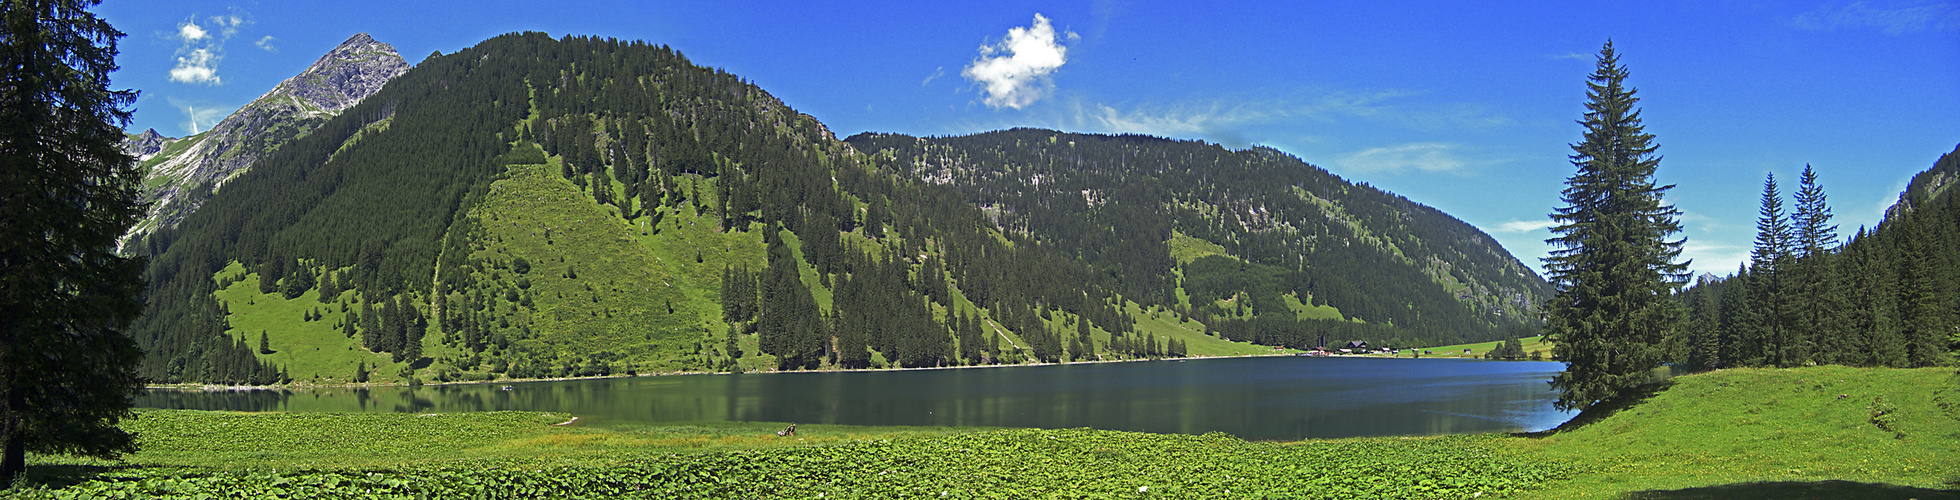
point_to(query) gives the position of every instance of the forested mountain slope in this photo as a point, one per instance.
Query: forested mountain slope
(179, 174)
(538, 207)
(1116, 202)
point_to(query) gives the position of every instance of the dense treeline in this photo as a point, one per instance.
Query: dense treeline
(1113, 202)
(1890, 296)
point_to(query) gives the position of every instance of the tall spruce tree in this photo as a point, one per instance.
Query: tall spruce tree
(1769, 327)
(1818, 291)
(67, 192)
(1612, 265)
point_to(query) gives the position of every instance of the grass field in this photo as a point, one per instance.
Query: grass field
(1478, 350)
(1821, 432)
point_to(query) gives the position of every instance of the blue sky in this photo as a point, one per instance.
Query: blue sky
(1465, 107)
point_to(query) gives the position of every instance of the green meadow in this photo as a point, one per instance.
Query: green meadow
(1821, 432)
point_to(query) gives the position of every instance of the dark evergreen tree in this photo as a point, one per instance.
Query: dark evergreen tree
(299, 282)
(69, 191)
(1817, 289)
(1871, 313)
(1771, 336)
(269, 274)
(1704, 335)
(1612, 265)
(1921, 317)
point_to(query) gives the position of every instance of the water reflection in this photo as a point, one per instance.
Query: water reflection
(1254, 398)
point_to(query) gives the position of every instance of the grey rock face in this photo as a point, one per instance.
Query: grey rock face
(146, 145)
(355, 69)
(341, 78)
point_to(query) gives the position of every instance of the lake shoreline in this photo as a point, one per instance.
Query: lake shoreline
(304, 386)
(301, 386)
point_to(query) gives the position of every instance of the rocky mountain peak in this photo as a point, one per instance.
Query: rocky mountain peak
(187, 175)
(343, 76)
(145, 145)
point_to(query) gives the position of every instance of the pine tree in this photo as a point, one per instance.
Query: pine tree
(1705, 336)
(1871, 313)
(1770, 327)
(1612, 265)
(67, 371)
(1818, 291)
(265, 346)
(1921, 319)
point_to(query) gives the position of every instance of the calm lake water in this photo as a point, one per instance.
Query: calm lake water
(1263, 398)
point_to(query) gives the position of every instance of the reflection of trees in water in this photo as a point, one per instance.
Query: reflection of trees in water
(413, 403)
(234, 400)
(1262, 398)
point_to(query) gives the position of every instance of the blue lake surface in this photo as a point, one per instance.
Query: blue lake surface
(1260, 398)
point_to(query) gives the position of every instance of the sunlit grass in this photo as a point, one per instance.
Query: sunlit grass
(1742, 433)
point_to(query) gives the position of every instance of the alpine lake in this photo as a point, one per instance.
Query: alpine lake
(1254, 398)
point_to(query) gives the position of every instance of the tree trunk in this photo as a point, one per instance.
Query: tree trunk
(13, 462)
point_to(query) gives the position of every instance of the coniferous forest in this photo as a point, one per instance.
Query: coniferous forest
(1404, 270)
(1883, 296)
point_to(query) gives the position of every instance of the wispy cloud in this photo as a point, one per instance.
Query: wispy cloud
(1890, 18)
(936, 73)
(1574, 56)
(1216, 121)
(199, 116)
(1419, 156)
(1713, 258)
(1522, 226)
(1242, 121)
(266, 44)
(203, 48)
(1015, 72)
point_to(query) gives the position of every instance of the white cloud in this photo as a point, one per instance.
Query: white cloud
(204, 47)
(1895, 19)
(1015, 72)
(190, 32)
(936, 73)
(1422, 156)
(199, 66)
(1522, 226)
(266, 43)
(1574, 56)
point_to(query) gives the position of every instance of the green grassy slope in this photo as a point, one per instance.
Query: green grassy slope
(597, 284)
(1477, 350)
(310, 351)
(1760, 427)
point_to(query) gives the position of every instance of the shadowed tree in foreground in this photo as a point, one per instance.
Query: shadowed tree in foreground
(1612, 264)
(67, 192)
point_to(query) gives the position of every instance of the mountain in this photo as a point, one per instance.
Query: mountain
(1124, 203)
(1928, 185)
(146, 145)
(538, 207)
(182, 173)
